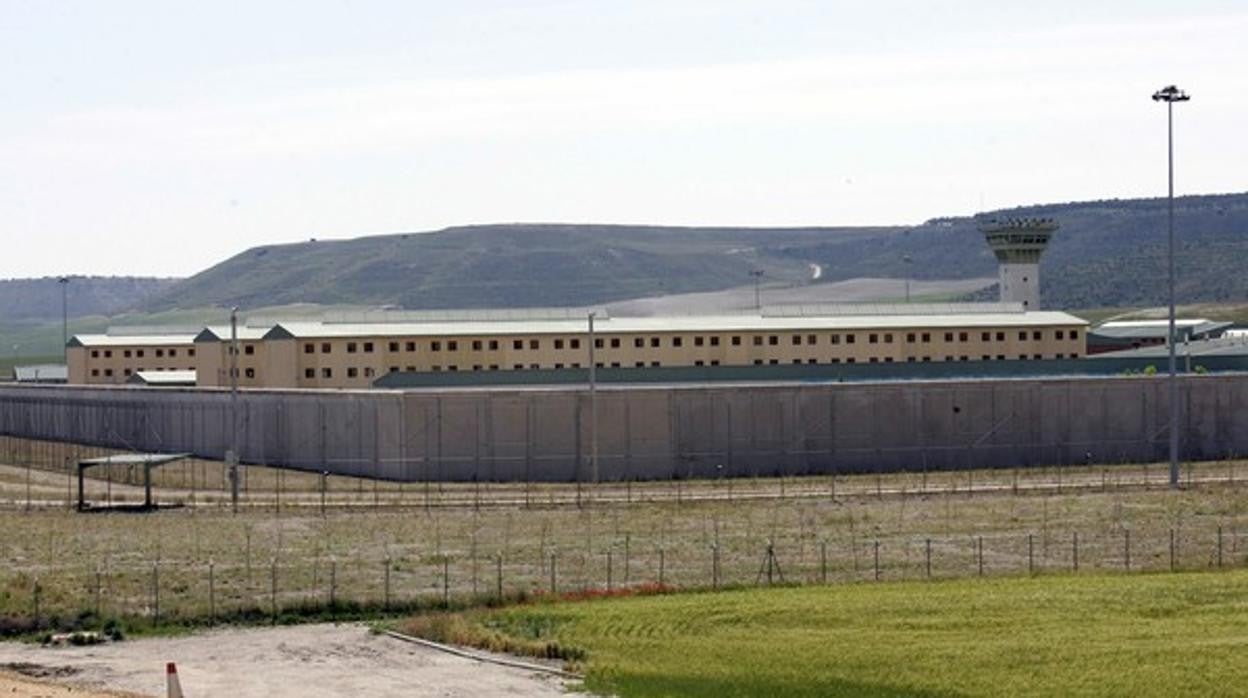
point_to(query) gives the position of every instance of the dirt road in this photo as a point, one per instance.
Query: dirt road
(308, 660)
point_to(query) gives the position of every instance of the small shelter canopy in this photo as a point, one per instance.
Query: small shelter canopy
(147, 460)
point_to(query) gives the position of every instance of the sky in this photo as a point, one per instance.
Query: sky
(158, 138)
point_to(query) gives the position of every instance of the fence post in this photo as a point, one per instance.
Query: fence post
(1126, 547)
(273, 588)
(35, 599)
(609, 560)
(333, 583)
(97, 591)
(212, 593)
(979, 549)
(714, 565)
(662, 565)
(877, 560)
(554, 578)
(446, 581)
(1074, 551)
(499, 576)
(386, 581)
(627, 558)
(156, 592)
(1031, 558)
(823, 562)
(1172, 550)
(1219, 547)
(927, 557)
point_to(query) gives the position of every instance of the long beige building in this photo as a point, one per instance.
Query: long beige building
(353, 354)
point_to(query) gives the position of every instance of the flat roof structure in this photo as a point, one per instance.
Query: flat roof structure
(41, 373)
(146, 460)
(163, 378)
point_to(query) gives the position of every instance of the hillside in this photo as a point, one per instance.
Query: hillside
(36, 300)
(1108, 253)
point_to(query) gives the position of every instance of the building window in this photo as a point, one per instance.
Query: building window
(888, 337)
(108, 353)
(309, 373)
(477, 345)
(159, 353)
(558, 345)
(249, 373)
(327, 373)
(698, 363)
(639, 364)
(558, 365)
(576, 364)
(888, 359)
(1022, 336)
(1059, 335)
(368, 347)
(126, 372)
(985, 336)
(638, 342)
(962, 336)
(493, 345)
(676, 341)
(1036, 335)
(836, 339)
(352, 372)
(394, 369)
(517, 344)
(534, 344)
(597, 342)
(873, 360)
(909, 338)
(452, 345)
(1000, 336)
(517, 367)
(535, 366)
(190, 352)
(985, 357)
(575, 343)
(139, 353)
(435, 346)
(393, 346)
(369, 372)
(810, 339)
(654, 342)
(797, 361)
(758, 341)
(774, 361)
(948, 336)
(715, 341)
(409, 369)
(452, 367)
(174, 352)
(1037, 356)
(108, 373)
(351, 347)
(125, 353)
(714, 362)
(309, 348)
(797, 339)
(410, 346)
(436, 368)
(95, 353)
(615, 342)
(1074, 334)
(773, 340)
(758, 362)
(493, 367)
(249, 350)
(655, 364)
(849, 338)
(964, 358)
(95, 371)
(325, 348)
(697, 342)
(476, 367)
(873, 338)
(927, 337)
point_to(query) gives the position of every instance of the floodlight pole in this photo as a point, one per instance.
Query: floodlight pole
(593, 404)
(64, 282)
(758, 294)
(233, 459)
(907, 261)
(1170, 95)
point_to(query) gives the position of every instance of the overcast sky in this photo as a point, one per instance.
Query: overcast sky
(158, 138)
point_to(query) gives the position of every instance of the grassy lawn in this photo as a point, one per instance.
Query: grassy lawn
(1150, 634)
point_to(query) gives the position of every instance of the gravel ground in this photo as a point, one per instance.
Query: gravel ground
(305, 660)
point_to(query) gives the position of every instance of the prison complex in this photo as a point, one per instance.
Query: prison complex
(353, 354)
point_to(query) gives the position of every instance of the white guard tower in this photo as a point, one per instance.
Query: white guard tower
(1018, 244)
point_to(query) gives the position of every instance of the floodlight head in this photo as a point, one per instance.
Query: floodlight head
(1170, 93)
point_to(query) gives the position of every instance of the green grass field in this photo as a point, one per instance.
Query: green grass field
(1127, 635)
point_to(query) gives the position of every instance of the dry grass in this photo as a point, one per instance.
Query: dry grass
(453, 540)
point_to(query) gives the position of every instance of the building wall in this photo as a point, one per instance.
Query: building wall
(357, 362)
(655, 431)
(114, 364)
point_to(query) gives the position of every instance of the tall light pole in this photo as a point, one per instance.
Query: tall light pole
(232, 458)
(593, 405)
(64, 282)
(907, 261)
(758, 294)
(1170, 95)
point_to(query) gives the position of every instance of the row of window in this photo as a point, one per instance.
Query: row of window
(679, 341)
(138, 353)
(367, 372)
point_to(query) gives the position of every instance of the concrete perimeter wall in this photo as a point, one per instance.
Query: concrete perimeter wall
(648, 432)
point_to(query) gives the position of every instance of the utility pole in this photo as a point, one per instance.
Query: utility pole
(232, 456)
(908, 262)
(64, 282)
(1170, 95)
(593, 405)
(758, 294)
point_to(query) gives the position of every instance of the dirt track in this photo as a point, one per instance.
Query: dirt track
(309, 660)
